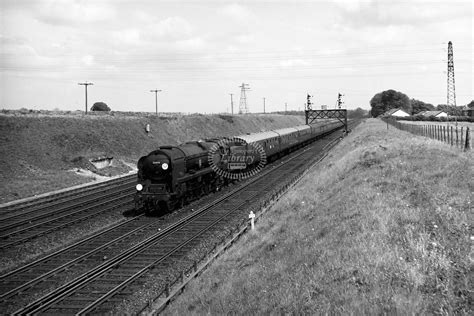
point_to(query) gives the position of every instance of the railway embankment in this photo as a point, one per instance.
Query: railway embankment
(381, 225)
(45, 151)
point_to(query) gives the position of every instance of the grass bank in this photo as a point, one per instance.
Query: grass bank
(382, 225)
(39, 151)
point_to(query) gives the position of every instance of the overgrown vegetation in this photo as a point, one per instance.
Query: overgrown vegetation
(382, 226)
(100, 106)
(40, 150)
(391, 99)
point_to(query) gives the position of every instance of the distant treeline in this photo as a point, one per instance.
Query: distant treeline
(351, 114)
(391, 99)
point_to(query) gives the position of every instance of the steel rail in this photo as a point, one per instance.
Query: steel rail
(138, 274)
(195, 270)
(69, 210)
(66, 224)
(73, 201)
(15, 206)
(64, 266)
(50, 257)
(62, 251)
(69, 288)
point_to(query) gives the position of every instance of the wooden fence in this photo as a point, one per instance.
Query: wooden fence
(459, 137)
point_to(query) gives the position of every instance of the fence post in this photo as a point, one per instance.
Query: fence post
(462, 135)
(468, 138)
(457, 138)
(452, 136)
(447, 134)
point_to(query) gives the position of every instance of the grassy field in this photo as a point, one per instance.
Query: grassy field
(382, 226)
(41, 150)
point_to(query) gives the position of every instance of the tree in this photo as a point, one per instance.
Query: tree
(100, 106)
(471, 105)
(450, 109)
(357, 113)
(419, 106)
(387, 100)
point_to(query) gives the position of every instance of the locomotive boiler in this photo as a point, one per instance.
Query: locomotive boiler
(171, 175)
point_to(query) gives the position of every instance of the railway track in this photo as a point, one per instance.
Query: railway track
(56, 268)
(111, 276)
(66, 194)
(25, 221)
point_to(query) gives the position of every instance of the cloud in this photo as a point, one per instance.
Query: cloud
(18, 54)
(352, 5)
(195, 43)
(88, 60)
(73, 12)
(237, 12)
(126, 37)
(172, 28)
(366, 13)
(289, 63)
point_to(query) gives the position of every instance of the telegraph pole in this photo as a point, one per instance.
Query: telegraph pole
(263, 105)
(156, 99)
(231, 103)
(85, 84)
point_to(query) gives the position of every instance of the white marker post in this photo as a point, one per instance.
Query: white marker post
(252, 220)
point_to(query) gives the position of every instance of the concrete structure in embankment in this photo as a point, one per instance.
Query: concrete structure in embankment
(38, 150)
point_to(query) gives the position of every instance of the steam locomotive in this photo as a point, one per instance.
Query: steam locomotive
(173, 175)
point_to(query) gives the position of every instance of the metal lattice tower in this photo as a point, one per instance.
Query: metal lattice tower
(451, 98)
(243, 108)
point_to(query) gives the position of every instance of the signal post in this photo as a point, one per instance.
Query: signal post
(313, 115)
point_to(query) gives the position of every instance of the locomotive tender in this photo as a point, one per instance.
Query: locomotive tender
(172, 175)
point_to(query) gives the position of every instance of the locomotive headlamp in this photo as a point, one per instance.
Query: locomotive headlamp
(164, 166)
(139, 187)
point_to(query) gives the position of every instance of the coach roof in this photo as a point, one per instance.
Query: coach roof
(251, 138)
(286, 131)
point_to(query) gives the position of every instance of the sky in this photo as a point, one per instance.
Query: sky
(199, 52)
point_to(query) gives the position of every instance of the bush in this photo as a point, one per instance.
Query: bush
(100, 106)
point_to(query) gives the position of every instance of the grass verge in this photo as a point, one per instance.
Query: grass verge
(382, 225)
